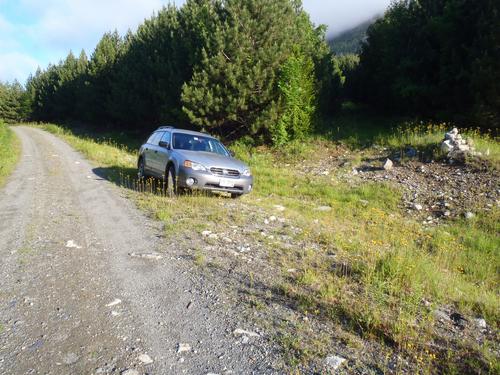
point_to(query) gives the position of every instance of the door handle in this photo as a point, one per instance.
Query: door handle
(147, 149)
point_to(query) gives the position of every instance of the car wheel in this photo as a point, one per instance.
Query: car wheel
(171, 188)
(141, 171)
(235, 195)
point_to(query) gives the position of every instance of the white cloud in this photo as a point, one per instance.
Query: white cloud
(16, 65)
(77, 24)
(49, 29)
(5, 26)
(341, 15)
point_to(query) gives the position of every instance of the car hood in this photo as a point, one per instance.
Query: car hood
(209, 160)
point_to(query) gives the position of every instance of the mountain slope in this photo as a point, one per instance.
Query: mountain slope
(350, 41)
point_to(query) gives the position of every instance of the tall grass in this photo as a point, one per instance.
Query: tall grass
(9, 151)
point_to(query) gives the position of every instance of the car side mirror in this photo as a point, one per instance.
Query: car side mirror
(164, 144)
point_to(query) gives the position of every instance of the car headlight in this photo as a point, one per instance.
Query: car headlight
(194, 166)
(247, 173)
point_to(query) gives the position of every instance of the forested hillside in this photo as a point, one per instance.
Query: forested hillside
(351, 41)
(261, 68)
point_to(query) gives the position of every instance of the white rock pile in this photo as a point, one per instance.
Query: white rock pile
(456, 147)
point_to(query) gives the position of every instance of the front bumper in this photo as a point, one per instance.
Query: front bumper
(209, 181)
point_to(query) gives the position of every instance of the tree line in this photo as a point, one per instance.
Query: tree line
(436, 58)
(261, 68)
(231, 67)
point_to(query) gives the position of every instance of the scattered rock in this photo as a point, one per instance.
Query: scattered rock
(130, 371)
(481, 323)
(456, 147)
(441, 315)
(426, 303)
(411, 152)
(458, 319)
(418, 207)
(116, 301)
(240, 331)
(206, 233)
(213, 236)
(388, 165)
(72, 244)
(183, 348)
(153, 255)
(146, 359)
(323, 208)
(70, 358)
(334, 361)
(469, 215)
(243, 249)
(279, 207)
(451, 135)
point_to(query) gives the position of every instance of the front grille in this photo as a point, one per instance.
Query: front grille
(225, 172)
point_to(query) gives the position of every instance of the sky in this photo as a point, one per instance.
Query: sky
(34, 33)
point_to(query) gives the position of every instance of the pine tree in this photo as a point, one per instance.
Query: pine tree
(234, 89)
(99, 78)
(11, 96)
(297, 100)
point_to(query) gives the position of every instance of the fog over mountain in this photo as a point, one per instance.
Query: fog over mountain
(341, 15)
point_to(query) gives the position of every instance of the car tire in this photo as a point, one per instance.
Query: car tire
(235, 195)
(141, 169)
(171, 185)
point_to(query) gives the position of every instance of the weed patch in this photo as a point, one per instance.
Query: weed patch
(9, 151)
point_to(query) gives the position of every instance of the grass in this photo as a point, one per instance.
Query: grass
(9, 152)
(358, 130)
(363, 264)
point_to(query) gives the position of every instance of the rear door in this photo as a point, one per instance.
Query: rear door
(151, 152)
(148, 152)
(163, 154)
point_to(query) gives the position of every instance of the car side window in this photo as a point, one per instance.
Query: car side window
(151, 137)
(166, 137)
(156, 138)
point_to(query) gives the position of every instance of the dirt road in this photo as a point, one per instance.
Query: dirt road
(74, 301)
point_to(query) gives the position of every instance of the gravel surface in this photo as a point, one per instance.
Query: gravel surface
(89, 286)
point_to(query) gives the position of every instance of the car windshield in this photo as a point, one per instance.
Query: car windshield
(183, 141)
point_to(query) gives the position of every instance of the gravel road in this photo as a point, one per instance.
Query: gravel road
(74, 301)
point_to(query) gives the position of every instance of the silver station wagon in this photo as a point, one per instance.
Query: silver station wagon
(191, 160)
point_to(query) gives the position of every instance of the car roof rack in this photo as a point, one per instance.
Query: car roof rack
(165, 127)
